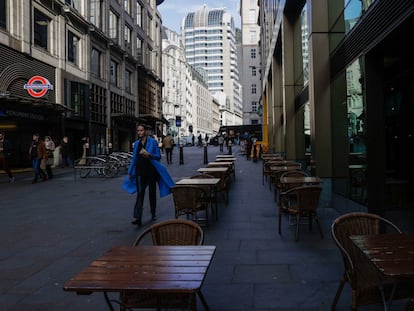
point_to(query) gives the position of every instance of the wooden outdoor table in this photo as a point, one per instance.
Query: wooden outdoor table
(146, 269)
(220, 163)
(391, 254)
(209, 182)
(278, 168)
(198, 181)
(225, 159)
(213, 169)
(300, 180)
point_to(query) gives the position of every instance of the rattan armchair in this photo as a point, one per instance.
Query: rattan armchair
(301, 202)
(359, 273)
(172, 232)
(212, 195)
(169, 232)
(191, 201)
(280, 188)
(224, 185)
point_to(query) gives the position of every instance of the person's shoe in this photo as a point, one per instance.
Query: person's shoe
(12, 179)
(45, 178)
(137, 222)
(154, 218)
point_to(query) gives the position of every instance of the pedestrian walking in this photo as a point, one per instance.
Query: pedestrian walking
(5, 154)
(221, 142)
(168, 143)
(50, 148)
(37, 153)
(147, 171)
(65, 151)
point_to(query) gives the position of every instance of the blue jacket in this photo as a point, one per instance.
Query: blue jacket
(165, 183)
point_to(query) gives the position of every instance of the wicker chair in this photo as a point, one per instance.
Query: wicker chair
(280, 188)
(190, 200)
(173, 232)
(359, 272)
(224, 185)
(275, 176)
(301, 202)
(169, 232)
(212, 197)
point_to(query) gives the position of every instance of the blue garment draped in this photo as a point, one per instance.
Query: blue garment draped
(165, 182)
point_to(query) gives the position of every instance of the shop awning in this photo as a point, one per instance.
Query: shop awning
(37, 104)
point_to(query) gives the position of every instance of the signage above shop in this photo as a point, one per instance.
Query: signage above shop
(38, 86)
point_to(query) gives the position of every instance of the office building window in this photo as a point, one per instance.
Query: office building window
(128, 81)
(73, 48)
(3, 13)
(254, 106)
(149, 26)
(253, 36)
(113, 25)
(253, 71)
(139, 14)
(254, 88)
(114, 72)
(252, 16)
(72, 3)
(127, 6)
(252, 53)
(127, 38)
(95, 13)
(40, 29)
(139, 49)
(96, 63)
(254, 121)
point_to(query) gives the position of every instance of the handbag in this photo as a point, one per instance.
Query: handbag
(129, 185)
(43, 164)
(50, 161)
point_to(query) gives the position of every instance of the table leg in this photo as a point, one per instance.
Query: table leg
(387, 305)
(203, 301)
(108, 302)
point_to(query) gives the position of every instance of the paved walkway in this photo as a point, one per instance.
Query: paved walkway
(51, 230)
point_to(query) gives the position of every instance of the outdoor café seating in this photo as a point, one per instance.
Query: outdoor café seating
(169, 232)
(190, 201)
(300, 202)
(281, 187)
(359, 272)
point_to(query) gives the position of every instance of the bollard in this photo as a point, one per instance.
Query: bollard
(205, 154)
(181, 154)
(229, 147)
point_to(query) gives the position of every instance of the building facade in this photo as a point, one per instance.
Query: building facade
(81, 69)
(209, 40)
(250, 62)
(338, 89)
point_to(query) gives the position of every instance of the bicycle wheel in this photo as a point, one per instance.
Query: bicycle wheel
(84, 172)
(110, 170)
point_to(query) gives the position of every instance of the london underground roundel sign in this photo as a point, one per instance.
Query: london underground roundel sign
(38, 86)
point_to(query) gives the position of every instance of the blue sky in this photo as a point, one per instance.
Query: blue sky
(173, 11)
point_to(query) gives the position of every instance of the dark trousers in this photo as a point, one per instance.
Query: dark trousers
(142, 183)
(49, 171)
(221, 147)
(4, 163)
(38, 172)
(168, 152)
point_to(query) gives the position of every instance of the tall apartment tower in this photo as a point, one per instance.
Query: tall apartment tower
(210, 47)
(250, 62)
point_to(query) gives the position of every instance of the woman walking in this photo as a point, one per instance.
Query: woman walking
(147, 171)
